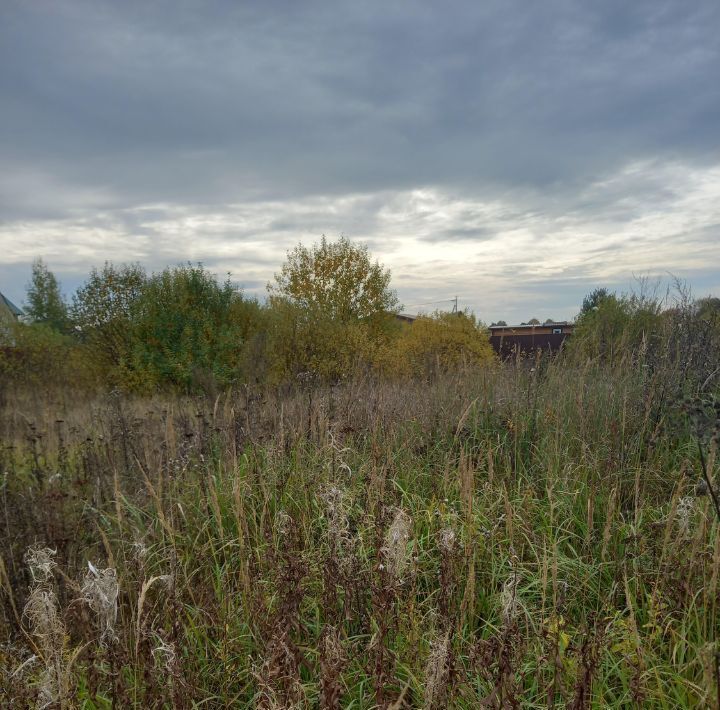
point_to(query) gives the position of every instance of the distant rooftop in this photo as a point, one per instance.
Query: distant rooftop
(17, 312)
(554, 324)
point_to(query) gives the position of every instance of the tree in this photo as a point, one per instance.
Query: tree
(337, 279)
(708, 308)
(45, 304)
(612, 326)
(108, 296)
(191, 330)
(103, 312)
(533, 321)
(332, 310)
(593, 300)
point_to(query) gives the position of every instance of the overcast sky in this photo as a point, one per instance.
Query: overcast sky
(516, 154)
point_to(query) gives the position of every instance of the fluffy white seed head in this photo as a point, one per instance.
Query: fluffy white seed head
(447, 540)
(100, 591)
(335, 502)
(41, 563)
(684, 513)
(395, 549)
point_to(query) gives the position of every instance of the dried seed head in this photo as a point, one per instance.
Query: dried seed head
(509, 600)
(436, 672)
(140, 552)
(684, 513)
(332, 497)
(336, 512)
(332, 649)
(43, 616)
(100, 590)
(164, 656)
(41, 562)
(395, 549)
(447, 540)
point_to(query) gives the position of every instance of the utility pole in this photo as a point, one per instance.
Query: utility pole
(455, 307)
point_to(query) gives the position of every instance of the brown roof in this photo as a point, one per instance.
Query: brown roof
(530, 326)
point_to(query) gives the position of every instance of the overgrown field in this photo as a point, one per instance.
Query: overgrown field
(524, 536)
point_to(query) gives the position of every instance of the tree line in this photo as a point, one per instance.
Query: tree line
(330, 312)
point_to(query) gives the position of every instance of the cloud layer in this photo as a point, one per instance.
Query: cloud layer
(514, 154)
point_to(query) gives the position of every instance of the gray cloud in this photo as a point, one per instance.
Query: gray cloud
(181, 101)
(445, 135)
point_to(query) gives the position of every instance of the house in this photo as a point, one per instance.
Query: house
(528, 338)
(9, 313)
(405, 317)
(8, 310)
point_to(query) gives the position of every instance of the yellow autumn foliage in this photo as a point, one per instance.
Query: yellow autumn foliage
(439, 342)
(332, 312)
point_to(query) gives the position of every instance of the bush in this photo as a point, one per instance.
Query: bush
(441, 342)
(615, 326)
(190, 331)
(41, 356)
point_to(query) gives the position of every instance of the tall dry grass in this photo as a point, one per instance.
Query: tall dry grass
(533, 535)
